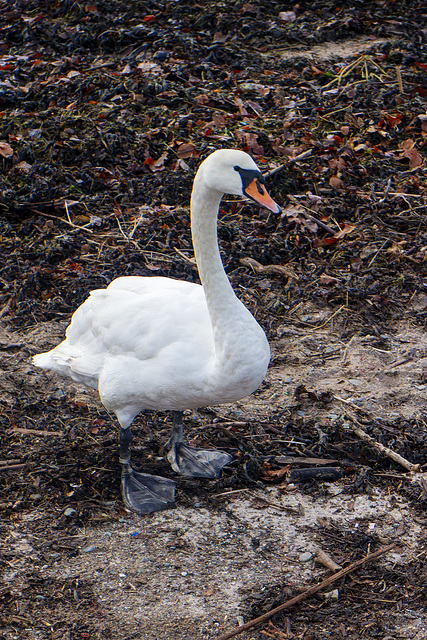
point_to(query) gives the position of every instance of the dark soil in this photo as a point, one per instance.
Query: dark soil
(106, 110)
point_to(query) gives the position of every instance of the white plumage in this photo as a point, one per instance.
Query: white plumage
(160, 343)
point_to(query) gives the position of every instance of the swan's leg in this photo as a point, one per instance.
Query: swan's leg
(142, 492)
(196, 463)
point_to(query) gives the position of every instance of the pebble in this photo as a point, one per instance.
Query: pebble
(288, 379)
(88, 549)
(305, 557)
(69, 512)
(332, 595)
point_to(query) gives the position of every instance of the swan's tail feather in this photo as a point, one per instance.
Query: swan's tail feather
(43, 360)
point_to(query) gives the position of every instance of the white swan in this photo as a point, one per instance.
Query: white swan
(159, 343)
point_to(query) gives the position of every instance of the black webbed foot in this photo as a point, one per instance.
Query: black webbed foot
(191, 462)
(197, 463)
(144, 493)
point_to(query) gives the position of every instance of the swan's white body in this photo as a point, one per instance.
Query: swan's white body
(159, 343)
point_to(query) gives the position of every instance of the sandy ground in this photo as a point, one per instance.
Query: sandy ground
(190, 573)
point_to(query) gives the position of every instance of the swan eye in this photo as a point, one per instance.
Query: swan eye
(236, 168)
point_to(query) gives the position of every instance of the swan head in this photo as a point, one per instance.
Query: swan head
(234, 172)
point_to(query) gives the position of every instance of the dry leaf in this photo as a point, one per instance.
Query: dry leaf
(324, 279)
(150, 68)
(220, 37)
(5, 150)
(287, 16)
(275, 474)
(186, 150)
(202, 100)
(335, 182)
(409, 151)
(159, 165)
(23, 167)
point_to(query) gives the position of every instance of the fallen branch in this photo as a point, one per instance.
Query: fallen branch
(306, 594)
(396, 457)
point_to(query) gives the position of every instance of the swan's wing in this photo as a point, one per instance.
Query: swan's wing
(141, 319)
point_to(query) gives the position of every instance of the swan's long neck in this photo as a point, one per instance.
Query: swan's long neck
(204, 214)
(234, 328)
(220, 297)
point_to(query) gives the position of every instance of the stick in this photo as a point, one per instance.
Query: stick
(290, 162)
(38, 432)
(12, 467)
(356, 428)
(306, 594)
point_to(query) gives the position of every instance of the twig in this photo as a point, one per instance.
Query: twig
(308, 216)
(399, 80)
(12, 467)
(39, 432)
(278, 269)
(387, 189)
(290, 162)
(356, 428)
(306, 594)
(319, 326)
(398, 363)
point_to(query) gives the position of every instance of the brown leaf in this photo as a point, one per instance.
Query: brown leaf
(346, 228)
(248, 7)
(218, 120)
(159, 165)
(409, 151)
(5, 150)
(186, 150)
(23, 167)
(335, 182)
(251, 139)
(202, 100)
(220, 37)
(275, 474)
(324, 279)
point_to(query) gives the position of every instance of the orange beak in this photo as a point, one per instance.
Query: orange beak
(257, 192)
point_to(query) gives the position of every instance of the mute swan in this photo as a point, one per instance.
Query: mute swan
(158, 343)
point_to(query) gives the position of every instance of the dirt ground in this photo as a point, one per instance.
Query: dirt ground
(106, 111)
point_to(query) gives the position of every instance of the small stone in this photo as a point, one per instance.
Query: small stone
(69, 512)
(88, 549)
(305, 557)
